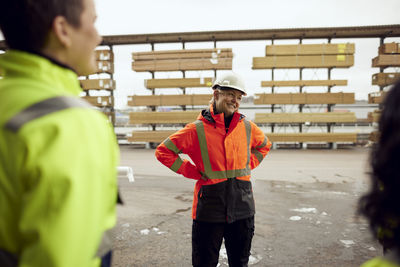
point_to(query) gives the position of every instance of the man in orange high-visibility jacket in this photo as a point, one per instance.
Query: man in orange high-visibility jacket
(224, 147)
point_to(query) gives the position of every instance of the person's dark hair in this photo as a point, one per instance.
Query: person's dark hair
(381, 205)
(25, 24)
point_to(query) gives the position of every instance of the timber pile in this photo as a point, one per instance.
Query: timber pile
(374, 116)
(169, 100)
(303, 83)
(104, 65)
(173, 117)
(306, 56)
(313, 137)
(295, 62)
(98, 84)
(304, 98)
(178, 83)
(388, 55)
(310, 49)
(181, 60)
(100, 101)
(326, 117)
(159, 136)
(385, 78)
(376, 97)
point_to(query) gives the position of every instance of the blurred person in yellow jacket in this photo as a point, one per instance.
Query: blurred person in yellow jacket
(224, 147)
(381, 204)
(58, 156)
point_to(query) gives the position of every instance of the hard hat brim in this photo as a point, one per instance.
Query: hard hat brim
(228, 87)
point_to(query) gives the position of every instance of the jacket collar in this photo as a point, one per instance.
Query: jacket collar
(218, 120)
(23, 64)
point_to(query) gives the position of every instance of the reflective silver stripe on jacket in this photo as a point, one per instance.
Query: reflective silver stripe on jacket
(7, 259)
(171, 146)
(206, 158)
(36, 111)
(257, 153)
(43, 108)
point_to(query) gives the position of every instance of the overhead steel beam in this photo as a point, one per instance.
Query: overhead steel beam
(380, 31)
(248, 35)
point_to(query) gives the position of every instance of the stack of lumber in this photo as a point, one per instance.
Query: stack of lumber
(306, 56)
(104, 65)
(169, 100)
(374, 116)
(385, 78)
(181, 60)
(178, 83)
(326, 117)
(172, 117)
(303, 83)
(100, 101)
(159, 136)
(376, 97)
(104, 61)
(98, 84)
(313, 137)
(304, 98)
(389, 56)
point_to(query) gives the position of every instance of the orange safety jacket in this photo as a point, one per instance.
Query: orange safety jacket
(225, 156)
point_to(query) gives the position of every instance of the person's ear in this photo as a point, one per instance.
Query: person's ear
(216, 94)
(62, 29)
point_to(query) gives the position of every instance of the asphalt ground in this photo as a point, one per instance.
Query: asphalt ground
(305, 211)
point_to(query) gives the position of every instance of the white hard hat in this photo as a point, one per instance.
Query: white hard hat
(231, 80)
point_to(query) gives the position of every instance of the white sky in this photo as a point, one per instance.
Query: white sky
(162, 16)
(158, 16)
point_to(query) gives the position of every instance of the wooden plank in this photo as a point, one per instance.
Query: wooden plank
(305, 98)
(178, 83)
(182, 64)
(312, 137)
(374, 136)
(183, 51)
(314, 61)
(326, 117)
(163, 117)
(303, 83)
(385, 78)
(376, 97)
(182, 54)
(104, 66)
(389, 48)
(107, 55)
(100, 101)
(374, 116)
(169, 100)
(310, 49)
(149, 136)
(98, 84)
(159, 136)
(392, 60)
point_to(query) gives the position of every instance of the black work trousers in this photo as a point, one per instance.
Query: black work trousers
(207, 239)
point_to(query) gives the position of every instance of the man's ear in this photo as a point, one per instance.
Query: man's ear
(62, 29)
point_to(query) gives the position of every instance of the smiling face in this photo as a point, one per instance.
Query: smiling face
(227, 101)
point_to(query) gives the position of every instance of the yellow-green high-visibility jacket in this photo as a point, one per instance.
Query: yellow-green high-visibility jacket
(380, 262)
(58, 158)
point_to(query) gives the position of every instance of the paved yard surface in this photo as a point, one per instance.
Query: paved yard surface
(305, 202)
